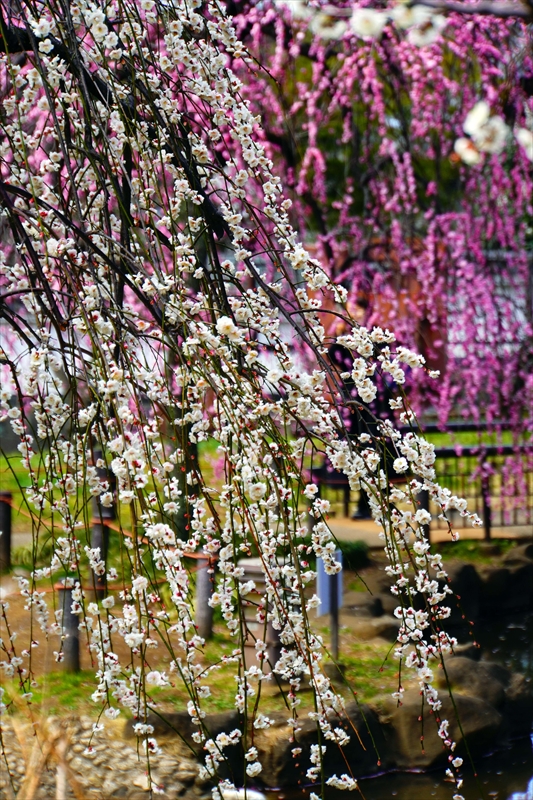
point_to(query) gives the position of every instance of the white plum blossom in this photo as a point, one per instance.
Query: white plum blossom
(400, 465)
(524, 137)
(405, 16)
(467, 151)
(492, 137)
(226, 327)
(257, 491)
(299, 8)
(427, 32)
(488, 132)
(327, 27)
(368, 23)
(476, 118)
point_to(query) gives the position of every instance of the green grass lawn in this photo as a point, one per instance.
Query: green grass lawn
(369, 672)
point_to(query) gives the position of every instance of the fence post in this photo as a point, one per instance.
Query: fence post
(5, 529)
(204, 589)
(329, 590)
(70, 622)
(99, 529)
(424, 504)
(334, 615)
(485, 496)
(256, 628)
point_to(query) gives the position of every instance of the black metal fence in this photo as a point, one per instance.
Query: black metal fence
(497, 482)
(495, 479)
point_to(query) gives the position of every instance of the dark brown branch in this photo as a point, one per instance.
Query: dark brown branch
(485, 7)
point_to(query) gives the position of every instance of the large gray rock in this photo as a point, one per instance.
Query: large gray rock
(388, 602)
(463, 580)
(368, 628)
(518, 708)
(506, 588)
(468, 650)
(411, 730)
(465, 583)
(366, 753)
(494, 586)
(475, 679)
(362, 604)
(519, 554)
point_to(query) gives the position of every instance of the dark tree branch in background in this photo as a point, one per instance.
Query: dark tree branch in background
(486, 7)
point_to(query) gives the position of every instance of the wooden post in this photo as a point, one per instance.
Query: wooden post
(204, 589)
(329, 590)
(71, 643)
(258, 628)
(99, 529)
(100, 539)
(485, 496)
(424, 504)
(334, 615)
(5, 530)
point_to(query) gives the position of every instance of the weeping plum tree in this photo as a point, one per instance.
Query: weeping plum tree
(404, 138)
(152, 292)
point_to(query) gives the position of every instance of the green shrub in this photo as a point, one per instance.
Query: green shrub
(354, 554)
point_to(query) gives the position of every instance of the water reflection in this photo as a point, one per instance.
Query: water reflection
(527, 795)
(505, 775)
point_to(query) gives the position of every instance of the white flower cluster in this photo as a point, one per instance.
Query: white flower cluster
(488, 133)
(423, 24)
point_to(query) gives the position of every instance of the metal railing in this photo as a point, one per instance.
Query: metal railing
(496, 480)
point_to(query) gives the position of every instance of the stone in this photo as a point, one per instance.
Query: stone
(498, 671)
(506, 588)
(465, 584)
(518, 708)
(187, 777)
(366, 751)
(173, 791)
(335, 672)
(494, 585)
(142, 781)
(403, 728)
(362, 604)
(368, 628)
(519, 554)
(473, 678)
(78, 764)
(468, 650)
(179, 725)
(388, 602)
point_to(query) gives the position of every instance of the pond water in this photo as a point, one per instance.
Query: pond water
(504, 775)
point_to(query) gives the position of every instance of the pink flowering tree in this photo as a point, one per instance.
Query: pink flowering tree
(153, 293)
(404, 139)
